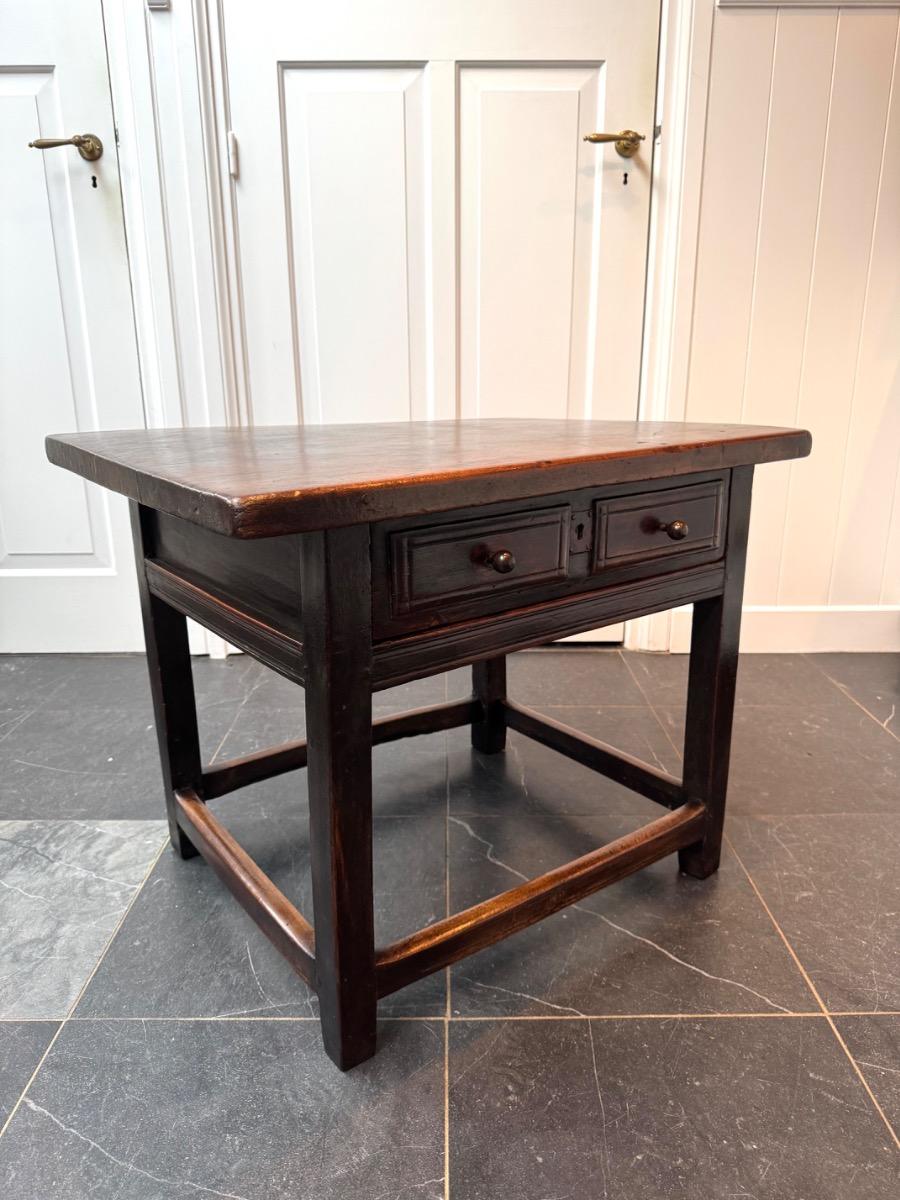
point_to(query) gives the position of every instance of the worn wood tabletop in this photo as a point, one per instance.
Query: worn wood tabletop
(288, 479)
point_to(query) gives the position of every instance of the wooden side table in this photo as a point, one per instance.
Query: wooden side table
(352, 558)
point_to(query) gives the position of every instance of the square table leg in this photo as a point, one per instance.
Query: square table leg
(715, 636)
(489, 685)
(337, 622)
(171, 686)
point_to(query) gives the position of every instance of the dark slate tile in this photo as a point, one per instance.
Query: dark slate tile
(21, 1045)
(531, 777)
(686, 1110)
(834, 888)
(571, 675)
(28, 680)
(770, 679)
(231, 678)
(91, 763)
(106, 681)
(64, 886)
(409, 777)
(187, 949)
(415, 694)
(113, 681)
(797, 760)
(656, 942)
(258, 727)
(561, 675)
(11, 719)
(871, 679)
(874, 1043)
(250, 1110)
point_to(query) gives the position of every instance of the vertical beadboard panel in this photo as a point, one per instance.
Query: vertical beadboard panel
(801, 83)
(873, 445)
(859, 97)
(729, 208)
(796, 316)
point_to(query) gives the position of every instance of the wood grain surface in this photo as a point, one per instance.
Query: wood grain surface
(287, 479)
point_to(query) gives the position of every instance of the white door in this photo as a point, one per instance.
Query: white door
(423, 231)
(68, 358)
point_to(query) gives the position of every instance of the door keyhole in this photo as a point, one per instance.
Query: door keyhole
(625, 179)
(93, 181)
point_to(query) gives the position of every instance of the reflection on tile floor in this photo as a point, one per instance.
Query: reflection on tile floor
(663, 1038)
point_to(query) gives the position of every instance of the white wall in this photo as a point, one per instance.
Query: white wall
(795, 314)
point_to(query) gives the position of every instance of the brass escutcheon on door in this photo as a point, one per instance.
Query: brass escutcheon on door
(88, 145)
(627, 141)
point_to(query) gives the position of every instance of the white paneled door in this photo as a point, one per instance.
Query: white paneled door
(67, 347)
(423, 231)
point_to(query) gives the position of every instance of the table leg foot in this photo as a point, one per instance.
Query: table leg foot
(337, 610)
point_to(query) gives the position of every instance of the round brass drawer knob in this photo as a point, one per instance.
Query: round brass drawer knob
(503, 561)
(677, 530)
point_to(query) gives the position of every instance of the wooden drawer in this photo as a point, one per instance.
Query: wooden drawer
(434, 565)
(658, 525)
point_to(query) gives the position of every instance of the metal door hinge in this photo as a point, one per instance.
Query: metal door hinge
(233, 159)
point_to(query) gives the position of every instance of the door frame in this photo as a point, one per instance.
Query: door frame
(170, 90)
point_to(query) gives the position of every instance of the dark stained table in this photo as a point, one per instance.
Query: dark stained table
(350, 558)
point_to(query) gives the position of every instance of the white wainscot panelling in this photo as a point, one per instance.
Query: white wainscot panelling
(797, 312)
(530, 207)
(357, 158)
(50, 521)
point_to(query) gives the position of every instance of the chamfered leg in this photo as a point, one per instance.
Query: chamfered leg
(715, 635)
(337, 621)
(489, 684)
(171, 685)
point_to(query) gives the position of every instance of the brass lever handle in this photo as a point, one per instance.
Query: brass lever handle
(88, 144)
(627, 141)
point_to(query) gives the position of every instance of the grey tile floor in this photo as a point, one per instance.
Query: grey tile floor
(738, 1037)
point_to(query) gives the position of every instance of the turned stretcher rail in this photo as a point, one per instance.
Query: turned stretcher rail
(279, 920)
(639, 776)
(455, 937)
(235, 773)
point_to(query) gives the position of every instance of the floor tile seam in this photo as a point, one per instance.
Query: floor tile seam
(83, 988)
(637, 683)
(847, 694)
(818, 998)
(446, 1110)
(462, 1018)
(447, 983)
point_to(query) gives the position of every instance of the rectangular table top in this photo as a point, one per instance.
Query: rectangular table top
(288, 479)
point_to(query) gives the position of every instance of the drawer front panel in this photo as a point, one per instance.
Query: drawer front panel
(436, 564)
(658, 525)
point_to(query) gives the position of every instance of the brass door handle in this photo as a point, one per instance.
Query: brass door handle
(627, 141)
(88, 144)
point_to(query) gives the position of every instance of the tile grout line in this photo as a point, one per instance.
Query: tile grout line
(64, 1022)
(816, 1014)
(651, 706)
(446, 1110)
(447, 984)
(815, 992)
(847, 694)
